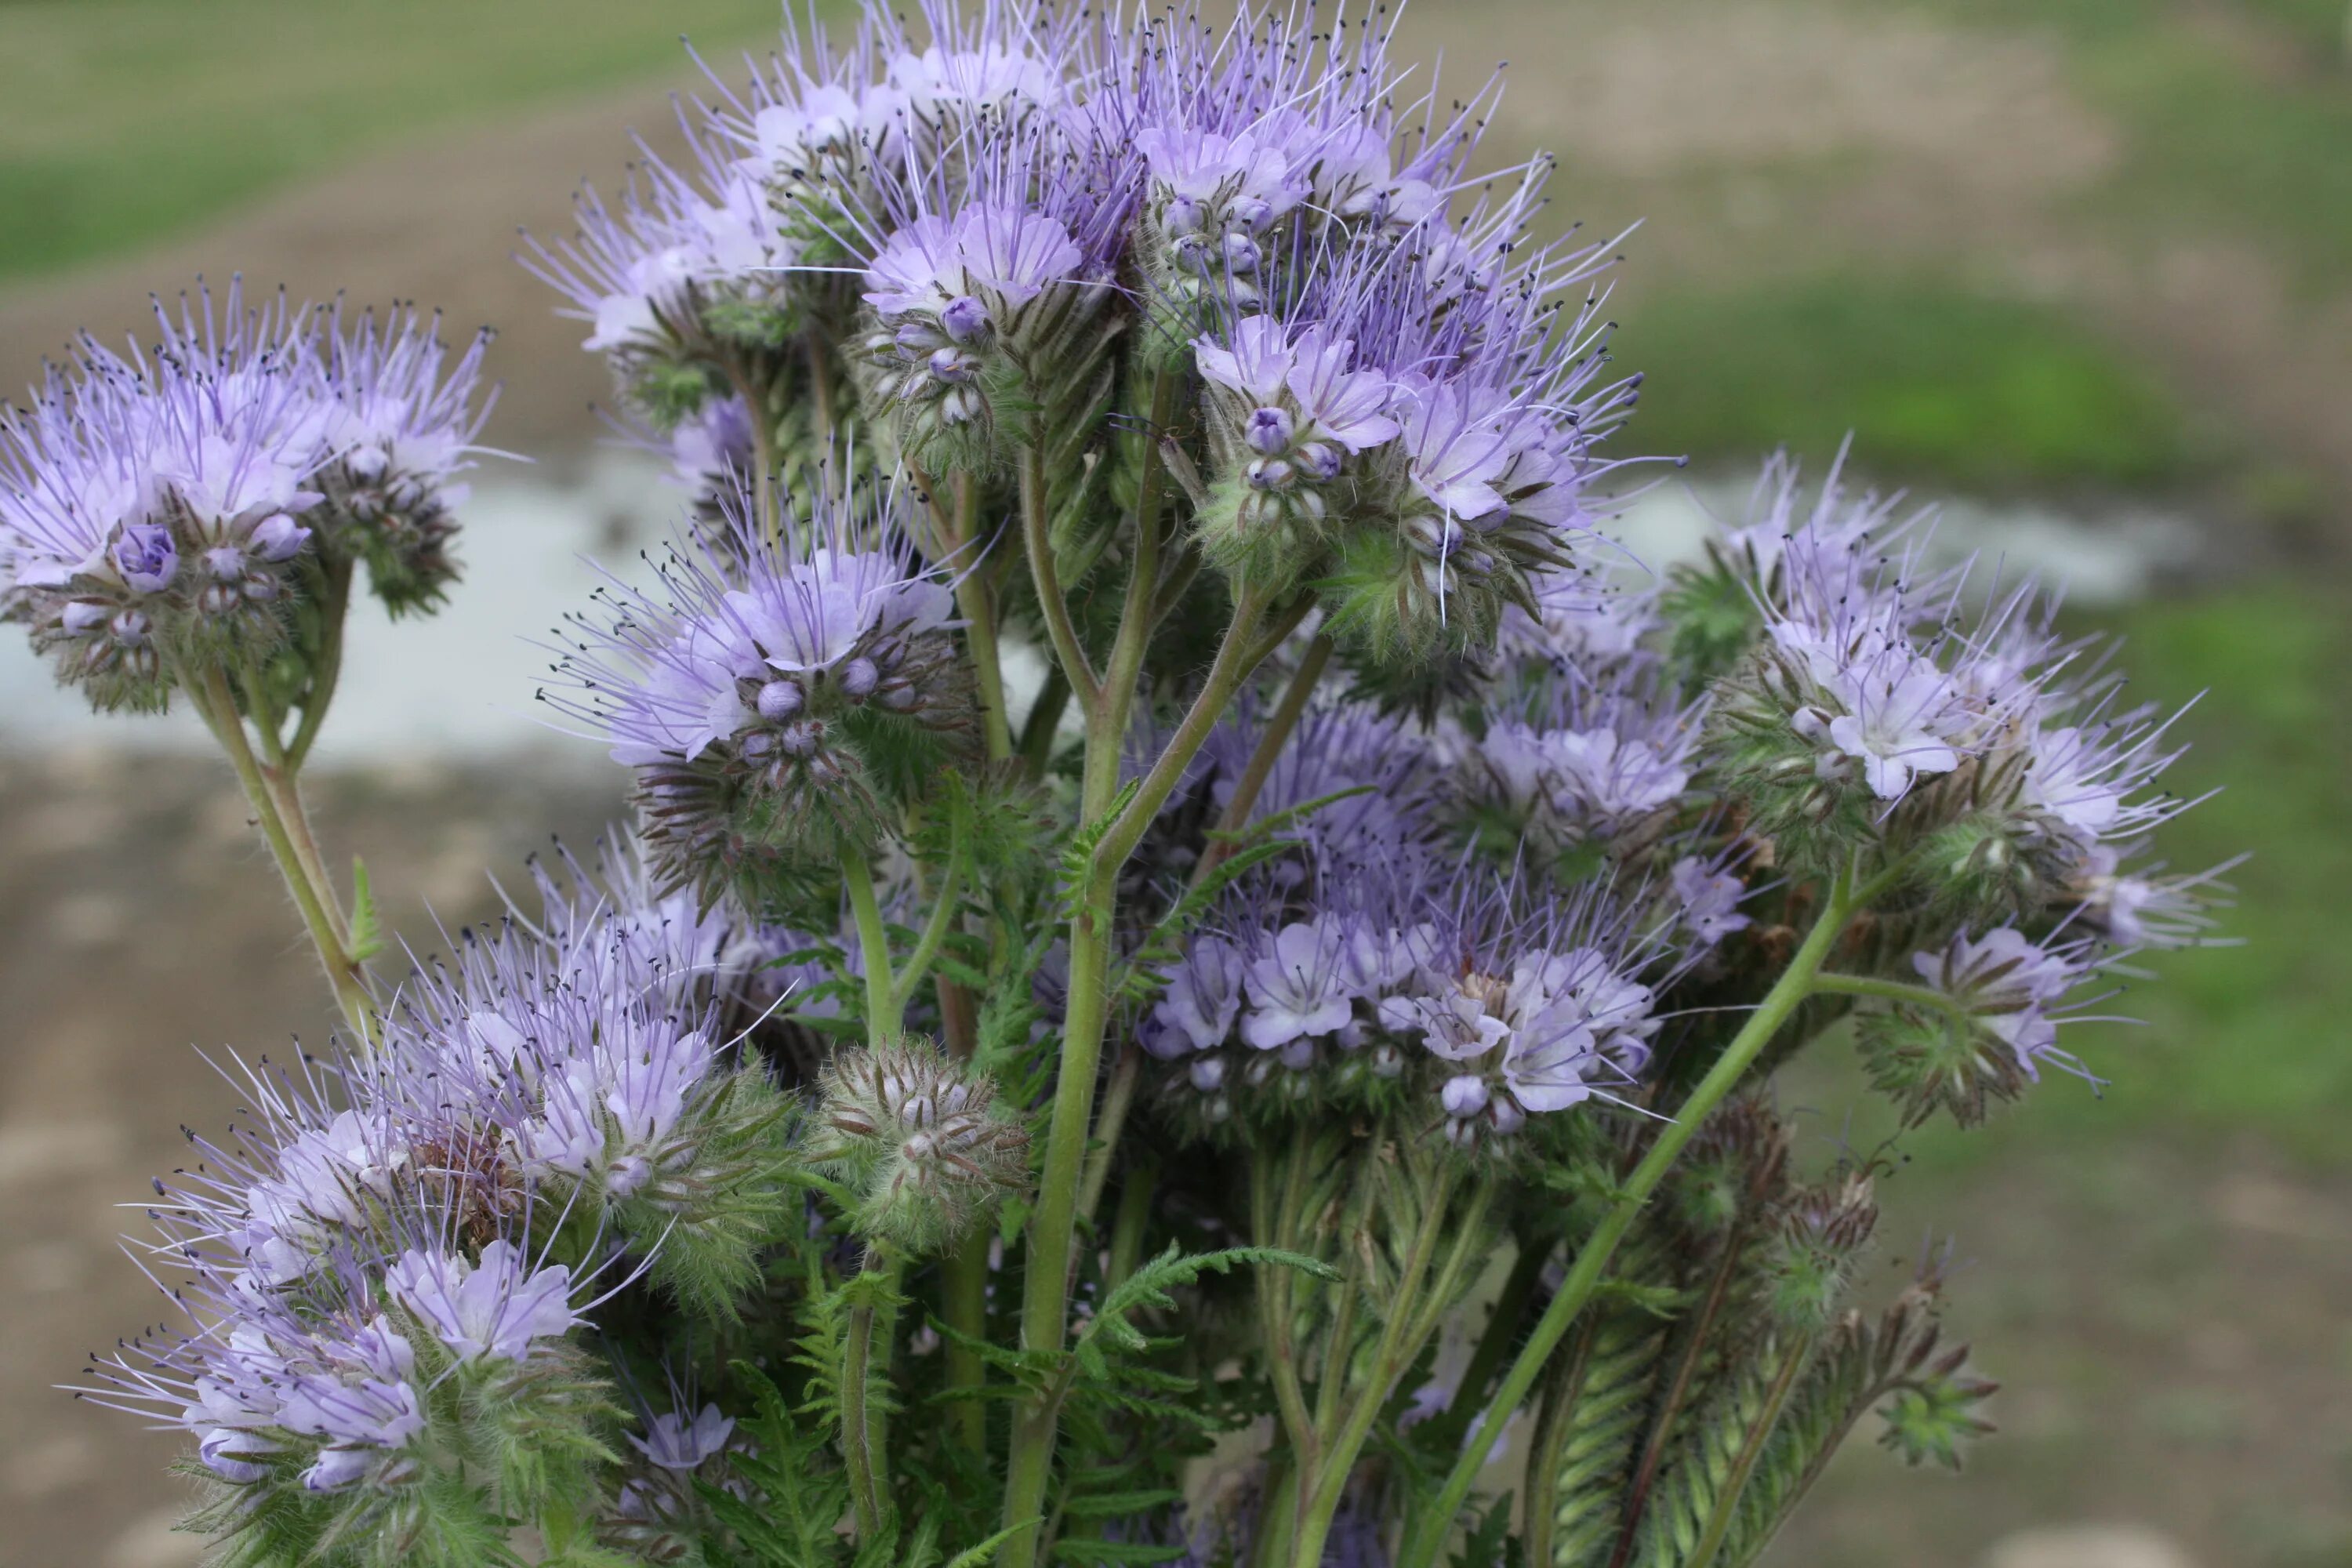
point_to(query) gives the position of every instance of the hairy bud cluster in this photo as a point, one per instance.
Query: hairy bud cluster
(922, 1141)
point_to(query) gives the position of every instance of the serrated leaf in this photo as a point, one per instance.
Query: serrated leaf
(974, 1556)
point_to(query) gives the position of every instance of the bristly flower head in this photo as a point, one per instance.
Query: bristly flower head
(1994, 1028)
(1463, 1012)
(150, 507)
(774, 716)
(399, 423)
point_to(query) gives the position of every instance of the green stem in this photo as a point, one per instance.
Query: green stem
(963, 1273)
(763, 452)
(1592, 1260)
(1129, 1225)
(882, 1009)
(945, 906)
(1037, 540)
(1888, 991)
(1412, 1316)
(1108, 1123)
(1053, 1224)
(327, 664)
(1550, 1436)
(820, 390)
(1044, 723)
(1502, 1332)
(1270, 742)
(1237, 655)
(1273, 1222)
(214, 702)
(1734, 1481)
(1135, 620)
(864, 1433)
(278, 776)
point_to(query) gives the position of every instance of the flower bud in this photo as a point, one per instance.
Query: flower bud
(146, 556)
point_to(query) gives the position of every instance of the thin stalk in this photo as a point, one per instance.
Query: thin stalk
(1038, 731)
(1888, 991)
(945, 906)
(1109, 1122)
(1130, 1222)
(327, 666)
(864, 1433)
(1036, 538)
(975, 601)
(1274, 1223)
(1694, 1331)
(1560, 1389)
(820, 390)
(963, 1273)
(1502, 1332)
(1734, 1481)
(882, 1009)
(278, 775)
(763, 452)
(1270, 742)
(1135, 620)
(211, 700)
(1053, 1224)
(1237, 655)
(1591, 1263)
(1412, 1317)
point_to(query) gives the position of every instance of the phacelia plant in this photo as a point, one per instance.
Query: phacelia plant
(957, 1104)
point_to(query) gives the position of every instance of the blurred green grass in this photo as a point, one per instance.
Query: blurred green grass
(1936, 384)
(124, 122)
(2236, 114)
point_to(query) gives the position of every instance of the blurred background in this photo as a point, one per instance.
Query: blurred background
(2082, 267)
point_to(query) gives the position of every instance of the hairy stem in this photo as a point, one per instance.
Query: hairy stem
(1270, 742)
(1108, 1123)
(1591, 1263)
(1245, 645)
(963, 1273)
(1037, 540)
(882, 1001)
(1131, 1221)
(1412, 1316)
(864, 1437)
(1888, 991)
(1734, 1480)
(209, 693)
(946, 904)
(327, 664)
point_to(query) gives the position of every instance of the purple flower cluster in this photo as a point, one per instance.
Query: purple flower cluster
(1877, 692)
(1482, 1005)
(747, 691)
(395, 1225)
(166, 501)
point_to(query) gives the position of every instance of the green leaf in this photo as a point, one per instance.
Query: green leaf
(974, 1556)
(367, 926)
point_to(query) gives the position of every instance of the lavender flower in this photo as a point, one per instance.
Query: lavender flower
(1992, 1031)
(151, 505)
(493, 1307)
(400, 424)
(1289, 415)
(748, 710)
